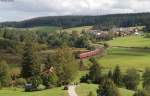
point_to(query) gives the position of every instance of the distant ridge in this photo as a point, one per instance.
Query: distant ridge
(123, 20)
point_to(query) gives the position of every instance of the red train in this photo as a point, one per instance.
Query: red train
(90, 53)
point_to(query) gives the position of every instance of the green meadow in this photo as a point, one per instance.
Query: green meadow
(84, 89)
(130, 41)
(126, 58)
(20, 92)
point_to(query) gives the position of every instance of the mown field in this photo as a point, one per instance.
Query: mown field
(127, 57)
(84, 89)
(130, 41)
(20, 92)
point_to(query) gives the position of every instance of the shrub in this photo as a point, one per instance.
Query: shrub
(21, 82)
(35, 81)
(41, 87)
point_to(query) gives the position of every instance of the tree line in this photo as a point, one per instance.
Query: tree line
(119, 20)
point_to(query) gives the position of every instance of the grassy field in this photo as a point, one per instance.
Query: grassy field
(130, 41)
(40, 28)
(127, 57)
(78, 29)
(84, 89)
(20, 92)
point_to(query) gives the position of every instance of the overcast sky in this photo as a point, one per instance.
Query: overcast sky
(16, 10)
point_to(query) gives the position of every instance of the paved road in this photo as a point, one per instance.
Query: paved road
(71, 90)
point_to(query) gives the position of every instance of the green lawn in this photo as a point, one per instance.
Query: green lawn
(130, 41)
(84, 89)
(20, 92)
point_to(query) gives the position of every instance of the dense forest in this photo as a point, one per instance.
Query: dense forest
(119, 20)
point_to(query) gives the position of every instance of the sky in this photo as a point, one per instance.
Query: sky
(16, 10)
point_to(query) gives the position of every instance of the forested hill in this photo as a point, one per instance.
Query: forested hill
(123, 20)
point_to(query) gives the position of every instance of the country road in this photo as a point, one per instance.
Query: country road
(71, 90)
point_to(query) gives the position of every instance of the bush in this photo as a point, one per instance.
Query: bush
(41, 87)
(35, 81)
(21, 82)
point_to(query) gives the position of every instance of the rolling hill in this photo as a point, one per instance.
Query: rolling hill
(123, 20)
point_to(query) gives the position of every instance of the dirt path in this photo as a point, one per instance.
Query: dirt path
(71, 90)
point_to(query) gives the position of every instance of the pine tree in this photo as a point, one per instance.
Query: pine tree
(4, 74)
(117, 76)
(108, 88)
(95, 71)
(30, 61)
(131, 79)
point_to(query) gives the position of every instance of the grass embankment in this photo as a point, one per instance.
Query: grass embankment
(84, 89)
(20, 92)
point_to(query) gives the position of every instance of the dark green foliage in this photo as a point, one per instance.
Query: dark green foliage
(95, 71)
(142, 93)
(146, 79)
(49, 61)
(65, 65)
(82, 42)
(35, 81)
(30, 62)
(110, 74)
(117, 76)
(131, 79)
(20, 82)
(108, 88)
(123, 20)
(50, 80)
(85, 79)
(4, 74)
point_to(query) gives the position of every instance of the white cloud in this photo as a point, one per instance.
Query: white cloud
(22, 9)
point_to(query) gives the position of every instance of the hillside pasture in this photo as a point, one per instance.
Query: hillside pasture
(78, 29)
(130, 41)
(125, 56)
